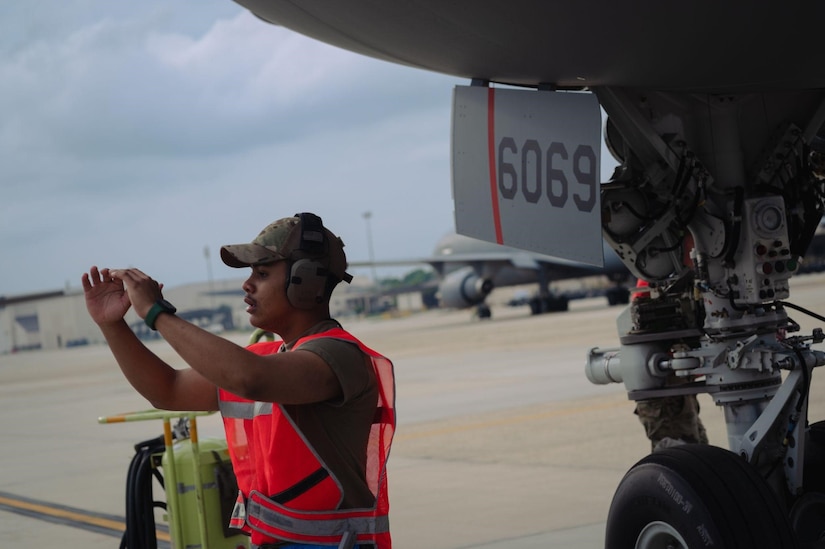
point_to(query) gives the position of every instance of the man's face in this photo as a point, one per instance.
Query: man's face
(266, 295)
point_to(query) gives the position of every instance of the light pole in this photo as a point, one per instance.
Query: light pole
(206, 256)
(367, 216)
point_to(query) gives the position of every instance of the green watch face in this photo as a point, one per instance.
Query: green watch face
(167, 306)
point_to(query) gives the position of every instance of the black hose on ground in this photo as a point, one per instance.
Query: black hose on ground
(140, 504)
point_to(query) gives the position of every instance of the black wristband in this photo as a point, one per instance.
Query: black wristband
(158, 307)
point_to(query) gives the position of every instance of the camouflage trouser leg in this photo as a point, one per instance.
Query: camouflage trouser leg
(675, 418)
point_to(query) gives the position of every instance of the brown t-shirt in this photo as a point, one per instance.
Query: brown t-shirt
(338, 430)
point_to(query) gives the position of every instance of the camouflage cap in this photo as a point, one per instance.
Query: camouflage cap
(302, 236)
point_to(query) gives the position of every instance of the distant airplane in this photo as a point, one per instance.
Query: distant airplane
(469, 269)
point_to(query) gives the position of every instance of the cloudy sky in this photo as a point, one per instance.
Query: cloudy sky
(146, 133)
(142, 133)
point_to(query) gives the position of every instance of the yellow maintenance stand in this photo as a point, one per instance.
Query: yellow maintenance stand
(191, 477)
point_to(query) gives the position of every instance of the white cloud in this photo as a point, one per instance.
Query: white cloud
(262, 65)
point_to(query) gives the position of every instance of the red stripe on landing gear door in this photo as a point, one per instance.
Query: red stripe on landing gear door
(491, 161)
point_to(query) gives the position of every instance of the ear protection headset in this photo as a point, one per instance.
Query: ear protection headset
(307, 280)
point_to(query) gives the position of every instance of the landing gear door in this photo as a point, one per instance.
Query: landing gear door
(525, 170)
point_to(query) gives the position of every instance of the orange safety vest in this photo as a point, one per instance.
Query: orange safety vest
(286, 492)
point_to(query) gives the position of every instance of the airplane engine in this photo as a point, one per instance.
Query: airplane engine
(464, 288)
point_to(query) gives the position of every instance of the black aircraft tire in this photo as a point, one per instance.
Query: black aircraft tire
(695, 495)
(556, 304)
(618, 296)
(814, 468)
(808, 512)
(483, 311)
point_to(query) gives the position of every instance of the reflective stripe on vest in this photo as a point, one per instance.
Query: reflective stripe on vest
(244, 410)
(277, 520)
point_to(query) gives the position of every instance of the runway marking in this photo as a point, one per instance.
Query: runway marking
(111, 525)
(508, 420)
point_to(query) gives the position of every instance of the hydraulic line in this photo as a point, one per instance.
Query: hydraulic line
(140, 506)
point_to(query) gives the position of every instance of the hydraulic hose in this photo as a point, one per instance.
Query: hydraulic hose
(140, 506)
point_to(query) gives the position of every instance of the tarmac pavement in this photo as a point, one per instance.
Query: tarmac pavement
(502, 441)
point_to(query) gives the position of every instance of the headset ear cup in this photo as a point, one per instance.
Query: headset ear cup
(306, 283)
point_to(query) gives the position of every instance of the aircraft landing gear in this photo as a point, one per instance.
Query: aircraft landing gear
(483, 311)
(696, 495)
(549, 304)
(617, 296)
(711, 190)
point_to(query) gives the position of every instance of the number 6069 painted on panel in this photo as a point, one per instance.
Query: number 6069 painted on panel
(538, 172)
